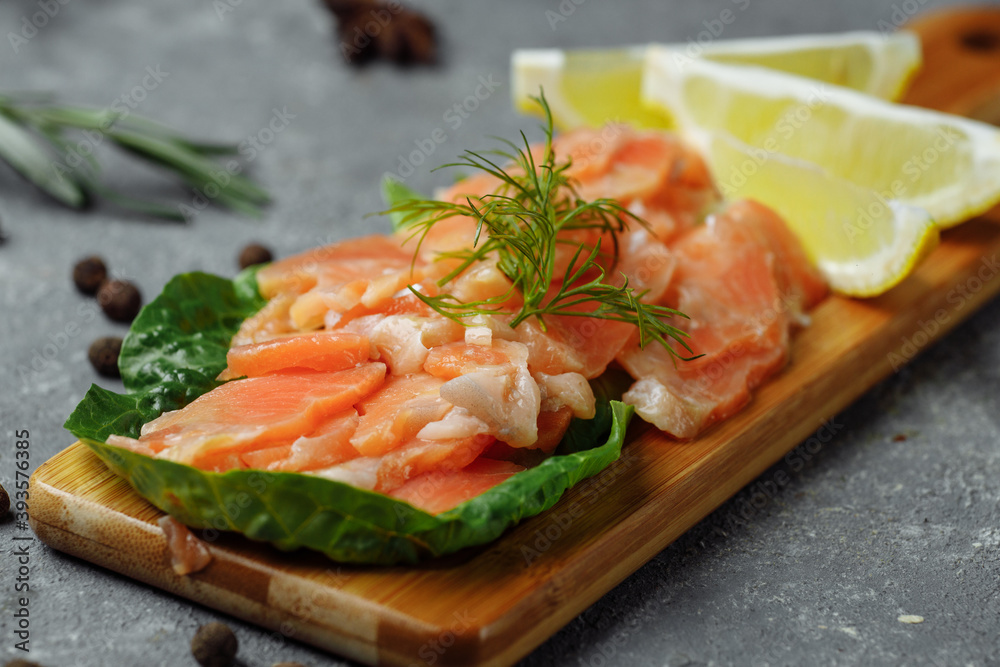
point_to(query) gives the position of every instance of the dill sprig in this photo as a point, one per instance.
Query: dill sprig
(523, 224)
(52, 145)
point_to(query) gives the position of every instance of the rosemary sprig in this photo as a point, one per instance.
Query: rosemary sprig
(52, 146)
(523, 224)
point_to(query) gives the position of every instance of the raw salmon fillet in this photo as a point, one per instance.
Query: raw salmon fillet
(316, 351)
(397, 412)
(439, 491)
(352, 377)
(409, 460)
(743, 282)
(328, 445)
(243, 415)
(344, 260)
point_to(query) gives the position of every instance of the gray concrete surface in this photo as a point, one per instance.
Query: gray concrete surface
(872, 527)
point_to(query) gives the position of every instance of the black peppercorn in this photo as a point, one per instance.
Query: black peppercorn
(120, 300)
(18, 662)
(89, 273)
(103, 354)
(288, 664)
(254, 254)
(4, 501)
(214, 645)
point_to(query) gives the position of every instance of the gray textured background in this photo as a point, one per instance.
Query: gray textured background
(873, 526)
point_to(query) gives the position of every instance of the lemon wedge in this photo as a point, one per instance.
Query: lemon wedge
(943, 163)
(863, 243)
(859, 179)
(591, 87)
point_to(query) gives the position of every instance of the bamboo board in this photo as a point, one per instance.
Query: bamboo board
(493, 605)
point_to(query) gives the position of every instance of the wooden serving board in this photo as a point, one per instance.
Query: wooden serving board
(493, 605)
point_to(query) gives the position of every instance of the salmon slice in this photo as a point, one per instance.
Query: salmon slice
(440, 491)
(329, 445)
(567, 390)
(397, 412)
(654, 174)
(404, 340)
(552, 427)
(597, 342)
(353, 258)
(639, 165)
(687, 405)
(453, 359)
(458, 423)
(455, 233)
(800, 283)
(645, 262)
(419, 456)
(682, 201)
(411, 459)
(484, 281)
(505, 396)
(315, 351)
(728, 282)
(243, 415)
(648, 266)
(405, 304)
(551, 351)
(343, 287)
(590, 150)
(311, 310)
(263, 459)
(271, 321)
(655, 171)
(399, 342)
(188, 554)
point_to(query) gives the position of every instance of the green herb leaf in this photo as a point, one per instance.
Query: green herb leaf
(21, 150)
(196, 169)
(102, 413)
(178, 344)
(188, 327)
(397, 194)
(521, 226)
(78, 117)
(27, 122)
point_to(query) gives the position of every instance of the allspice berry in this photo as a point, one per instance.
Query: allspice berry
(288, 664)
(103, 355)
(408, 39)
(89, 273)
(120, 300)
(4, 501)
(18, 662)
(254, 254)
(214, 645)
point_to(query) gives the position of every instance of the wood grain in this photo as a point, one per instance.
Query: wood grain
(961, 71)
(493, 605)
